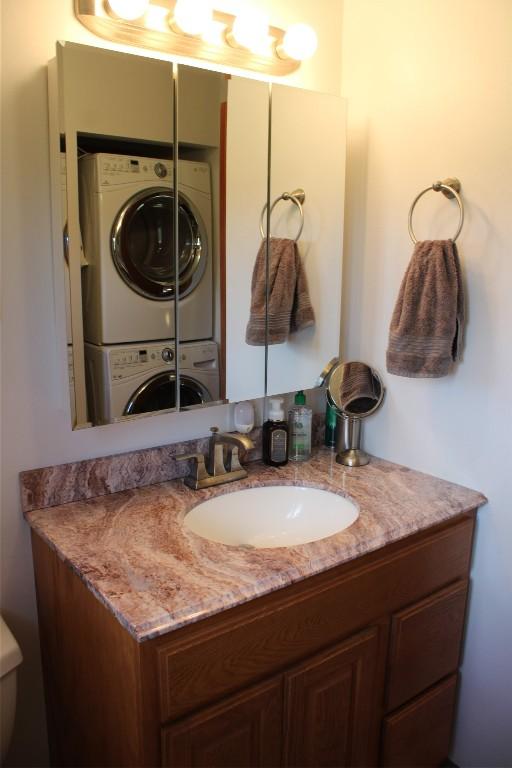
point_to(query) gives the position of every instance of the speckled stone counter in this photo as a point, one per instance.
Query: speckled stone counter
(133, 552)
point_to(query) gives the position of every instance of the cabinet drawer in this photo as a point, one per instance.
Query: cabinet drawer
(419, 733)
(425, 643)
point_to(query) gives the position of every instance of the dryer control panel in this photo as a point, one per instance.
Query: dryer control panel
(102, 171)
(120, 169)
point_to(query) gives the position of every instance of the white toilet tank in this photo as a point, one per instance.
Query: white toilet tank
(10, 659)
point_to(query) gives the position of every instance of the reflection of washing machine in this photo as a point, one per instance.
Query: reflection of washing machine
(135, 378)
(127, 219)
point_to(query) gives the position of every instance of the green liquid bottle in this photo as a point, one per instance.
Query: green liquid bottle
(299, 425)
(330, 426)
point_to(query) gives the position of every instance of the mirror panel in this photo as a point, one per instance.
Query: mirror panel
(246, 194)
(223, 137)
(308, 152)
(116, 114)
(113, 115)
(201, 103)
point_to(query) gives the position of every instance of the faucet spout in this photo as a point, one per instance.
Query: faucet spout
(242, 443)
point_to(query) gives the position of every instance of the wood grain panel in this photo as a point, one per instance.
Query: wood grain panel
(425, 643)
(330, 705)
(243, 731)
(419, 733)
(91, 672)
(210, 659)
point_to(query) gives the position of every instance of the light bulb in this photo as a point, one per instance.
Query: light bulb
(192, 16)
(250, 29)
(128, 9)
(300, 42)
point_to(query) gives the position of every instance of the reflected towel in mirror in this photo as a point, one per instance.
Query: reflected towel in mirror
(357, 388)
(290, 307)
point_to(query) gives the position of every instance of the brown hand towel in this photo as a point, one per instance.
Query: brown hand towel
(425, 334)
(289, 305)
(357, 388)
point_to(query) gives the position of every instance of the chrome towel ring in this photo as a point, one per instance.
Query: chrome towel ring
(450, 188)
(297, 197)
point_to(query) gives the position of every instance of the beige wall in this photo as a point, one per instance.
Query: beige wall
(35, 422)
(430, 96)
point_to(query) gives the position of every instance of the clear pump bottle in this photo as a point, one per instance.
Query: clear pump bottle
(299, 424)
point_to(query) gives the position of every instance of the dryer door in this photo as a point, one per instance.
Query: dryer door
(142, 241)
(159, 394)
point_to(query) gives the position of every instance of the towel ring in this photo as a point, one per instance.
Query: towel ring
(450, 188)
(297, 197)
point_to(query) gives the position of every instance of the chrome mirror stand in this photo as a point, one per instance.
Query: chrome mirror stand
(348, 444)
(355, 391)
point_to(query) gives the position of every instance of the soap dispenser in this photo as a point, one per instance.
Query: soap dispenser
(275, 435)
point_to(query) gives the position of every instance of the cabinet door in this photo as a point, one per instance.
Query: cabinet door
(242, 731)
(330, 706)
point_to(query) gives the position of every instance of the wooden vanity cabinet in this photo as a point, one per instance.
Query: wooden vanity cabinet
(356, 666)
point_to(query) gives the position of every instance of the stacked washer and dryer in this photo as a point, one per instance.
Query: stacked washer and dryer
(128, 289)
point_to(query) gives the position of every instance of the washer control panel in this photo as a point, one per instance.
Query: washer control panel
(134, 361)
(147, 360)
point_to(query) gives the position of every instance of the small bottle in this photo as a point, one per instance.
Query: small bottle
(244, 417)
(275, 435)
(299, 424)
(331, 416)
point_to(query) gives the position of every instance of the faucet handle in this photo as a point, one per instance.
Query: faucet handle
(214, 431)
(200, 468)
(218, 460)
(235, 459)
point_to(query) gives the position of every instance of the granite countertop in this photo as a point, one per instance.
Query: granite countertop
(133, 552)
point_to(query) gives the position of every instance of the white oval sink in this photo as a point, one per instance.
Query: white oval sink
(271, 516)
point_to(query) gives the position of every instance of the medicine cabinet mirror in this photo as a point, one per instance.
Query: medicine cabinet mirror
(157, 286)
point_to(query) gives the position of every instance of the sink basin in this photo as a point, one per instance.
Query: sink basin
(271, 516)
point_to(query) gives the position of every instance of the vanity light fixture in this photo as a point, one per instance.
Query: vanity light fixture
(191, 17)
(250, 30)
(129, 10)
(300, 42)
(193, 28)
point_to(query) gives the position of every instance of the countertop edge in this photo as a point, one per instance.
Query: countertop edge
(161, 626)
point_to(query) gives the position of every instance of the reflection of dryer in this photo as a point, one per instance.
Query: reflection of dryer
(65, 237)
(127, 219)
(135, 378)
(64, 212)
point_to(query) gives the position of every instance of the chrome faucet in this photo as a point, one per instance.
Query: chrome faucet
(222, 464)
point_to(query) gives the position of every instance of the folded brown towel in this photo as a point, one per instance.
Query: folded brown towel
(425, 334)
(357, 388)
(289, 304)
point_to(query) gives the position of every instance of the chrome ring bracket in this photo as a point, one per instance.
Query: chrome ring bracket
(451, 189)
(297, 197)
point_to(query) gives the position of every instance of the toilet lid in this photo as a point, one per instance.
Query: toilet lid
(10, 654)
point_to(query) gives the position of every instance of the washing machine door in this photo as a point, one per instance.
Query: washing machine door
(159, 394)
(142, 244)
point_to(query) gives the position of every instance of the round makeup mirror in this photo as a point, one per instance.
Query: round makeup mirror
(356, 391)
